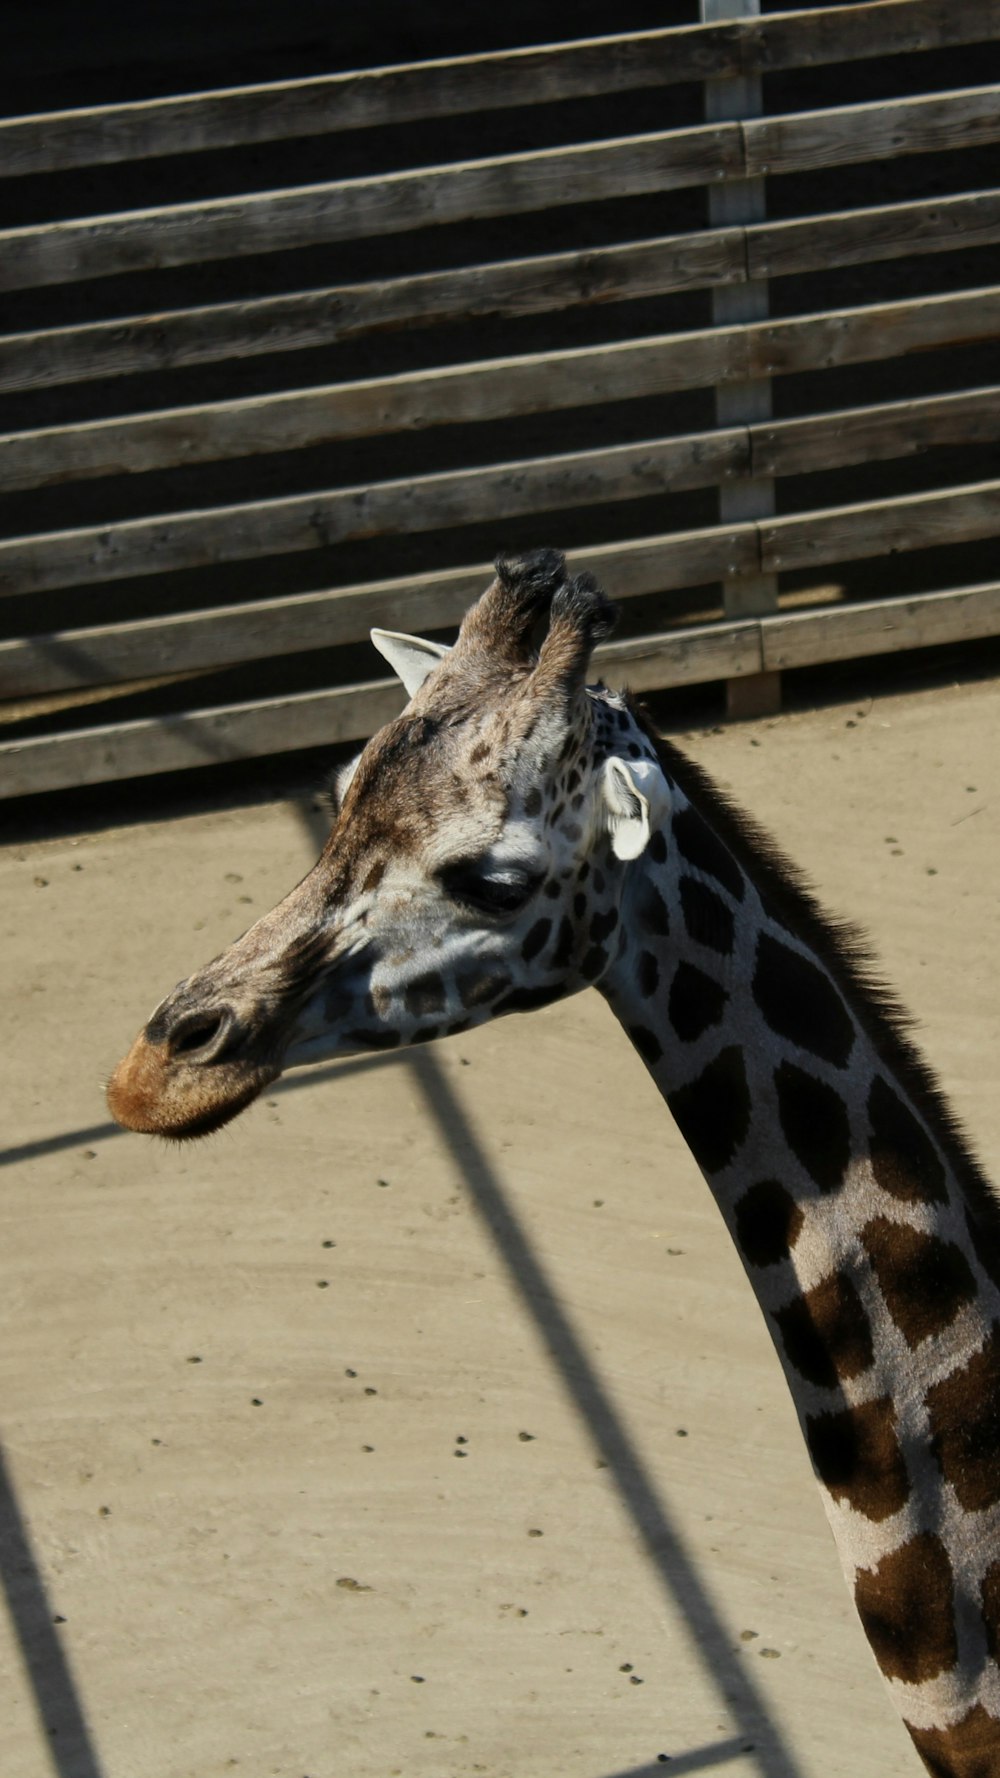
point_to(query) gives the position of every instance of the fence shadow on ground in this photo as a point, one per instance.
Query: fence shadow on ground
(49, 1673)
(759, 1737)
(57, 1701)
(663, 1542)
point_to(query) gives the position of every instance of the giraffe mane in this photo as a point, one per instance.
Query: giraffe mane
(848, 953)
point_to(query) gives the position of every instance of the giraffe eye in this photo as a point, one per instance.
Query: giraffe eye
(491, 892)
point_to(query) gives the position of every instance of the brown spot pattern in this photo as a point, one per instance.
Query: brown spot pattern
(603, 925)
(904, 1160)
(857, 1456)
(536, 939)
(826, 1333)
(906, 1606)
(697, 1002)
(704, 850)
(648, 974)
(713, 1111)
(799, 1002)
(374, 1040)
(925, 1281)
(964, 1413)
(970, 1749)
(425, 994)
(647, 1043)
(653, 912)
(768, 1223)
(708, 919)
(815, 1123)
(565, 944)
(476, 990)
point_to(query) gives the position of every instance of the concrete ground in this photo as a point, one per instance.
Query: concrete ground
(423, 1422)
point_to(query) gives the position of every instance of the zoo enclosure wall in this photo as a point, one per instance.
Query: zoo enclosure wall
(713, 304)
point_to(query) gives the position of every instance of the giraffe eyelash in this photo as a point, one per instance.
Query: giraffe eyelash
(500, 892)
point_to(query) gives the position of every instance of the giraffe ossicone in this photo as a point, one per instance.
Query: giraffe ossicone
(517, 835)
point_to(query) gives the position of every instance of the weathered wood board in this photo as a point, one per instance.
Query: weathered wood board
(130, 485)
(286, 109)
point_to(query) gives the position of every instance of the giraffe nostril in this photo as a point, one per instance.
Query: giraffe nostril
(200, 1034)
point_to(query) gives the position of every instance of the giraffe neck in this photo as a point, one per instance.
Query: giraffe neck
(867, 1234)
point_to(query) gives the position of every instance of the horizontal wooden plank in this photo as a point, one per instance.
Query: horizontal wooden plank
(112, 751)
(703, 259)
(298, 419)
(727, 650)
(880, 626)
(281, 111)
(109, 653)
(878, 232)
(272, 627)
(315, 719)
(470, 84)
(797, 39)
(217, 638)
(532, 383)
(321, 719)
(874, 331)
(693, 655)
(94, 554)
(310, 318)
(347, 209)
(881, 527)
(933, 123)
(459, 497)
(34, 459)
(506, 185)
(434, 601)
(864, 434)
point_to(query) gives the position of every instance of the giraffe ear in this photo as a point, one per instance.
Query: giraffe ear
(410, 657)
(636, 801)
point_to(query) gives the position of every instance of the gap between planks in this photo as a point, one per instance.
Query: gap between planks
(231, 227)
(489, 389)
(299, 320)
(542, 74)
(231, 636)
(349, 713)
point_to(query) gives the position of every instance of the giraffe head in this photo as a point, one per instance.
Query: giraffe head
(474, 867)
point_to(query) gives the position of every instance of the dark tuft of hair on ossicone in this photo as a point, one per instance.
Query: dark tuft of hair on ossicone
(585, 605)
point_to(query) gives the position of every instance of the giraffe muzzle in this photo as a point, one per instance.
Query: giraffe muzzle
(189, 1072)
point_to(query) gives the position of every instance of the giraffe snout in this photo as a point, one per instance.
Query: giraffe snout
(190, 1070)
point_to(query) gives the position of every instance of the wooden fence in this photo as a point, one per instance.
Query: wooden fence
(747, 368)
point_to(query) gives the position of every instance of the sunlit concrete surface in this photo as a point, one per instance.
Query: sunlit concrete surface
(423, 1423)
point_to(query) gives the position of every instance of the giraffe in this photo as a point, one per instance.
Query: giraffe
(517, 835)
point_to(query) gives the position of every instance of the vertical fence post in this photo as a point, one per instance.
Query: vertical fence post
(742, 403)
